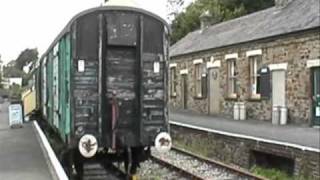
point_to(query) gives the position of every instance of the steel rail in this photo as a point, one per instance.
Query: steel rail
(233, 169)
(183, 172)
(108, 171)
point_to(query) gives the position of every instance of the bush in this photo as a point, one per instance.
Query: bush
(275, 174)
(15, 91)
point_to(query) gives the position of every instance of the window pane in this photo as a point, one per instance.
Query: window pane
(197, 80)
(229, 86)
(258, 85)
(173, 80)
(231, 64)
(255, 63)
(234, 85)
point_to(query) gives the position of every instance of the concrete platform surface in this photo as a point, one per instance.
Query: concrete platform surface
(21, 156)
(301, 136)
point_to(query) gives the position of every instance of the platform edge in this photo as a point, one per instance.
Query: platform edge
(297, 146)
(52, 160)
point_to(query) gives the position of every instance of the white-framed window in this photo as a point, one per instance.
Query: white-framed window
(232, 79)
(173, 81)
(254, 66)
(200, 78)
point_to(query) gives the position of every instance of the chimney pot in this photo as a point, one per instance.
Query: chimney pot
(206, 19)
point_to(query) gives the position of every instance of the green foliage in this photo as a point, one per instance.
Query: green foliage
(221, 10)
(12, 71)
(174, 6)
(25, 57)
(15, 67)
(4, 92)
(271, 174)
(15, 91)
(275, 174)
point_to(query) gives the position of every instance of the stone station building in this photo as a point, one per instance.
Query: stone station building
(269, 61)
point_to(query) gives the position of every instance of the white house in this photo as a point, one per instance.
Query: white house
(7, 82)
(15, 80)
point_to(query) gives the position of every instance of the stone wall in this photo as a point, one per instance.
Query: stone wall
(294, 49)
(237, 151)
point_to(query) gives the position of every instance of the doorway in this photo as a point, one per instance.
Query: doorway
(214, 91)
(279, 88)
(315, 77)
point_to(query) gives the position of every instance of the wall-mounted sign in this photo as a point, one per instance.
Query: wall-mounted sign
(156, 67)
(81, 65)
(264, 70)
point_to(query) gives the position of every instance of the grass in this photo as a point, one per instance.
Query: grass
(272, 174)
(275, 174)
(269, 173)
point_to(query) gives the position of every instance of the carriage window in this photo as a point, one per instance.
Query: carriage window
(122, 29)
(87, 37)
(152, 36)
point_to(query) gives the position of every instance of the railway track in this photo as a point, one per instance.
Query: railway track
(179, 171)
(176, 164)
(96, 171)
(197, 167)
(232, 169)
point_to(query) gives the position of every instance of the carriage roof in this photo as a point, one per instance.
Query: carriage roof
(97, 9)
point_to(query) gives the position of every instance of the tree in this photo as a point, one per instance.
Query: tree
(174, 8)
(221, 10)
(25, 57)
(15, 67)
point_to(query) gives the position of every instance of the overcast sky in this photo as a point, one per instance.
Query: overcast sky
(35, 23)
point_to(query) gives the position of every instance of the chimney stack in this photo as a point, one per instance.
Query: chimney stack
(205, 20)
(281, 3)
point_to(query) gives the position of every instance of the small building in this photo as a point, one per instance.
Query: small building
(15, 80)
(9, 81)
(269, 60)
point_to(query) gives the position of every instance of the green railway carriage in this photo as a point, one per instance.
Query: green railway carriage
(102, 85)
(53, 80)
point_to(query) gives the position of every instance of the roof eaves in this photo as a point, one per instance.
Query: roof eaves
(253, 40)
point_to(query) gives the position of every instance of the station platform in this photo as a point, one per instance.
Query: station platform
(23, 154)
(305, 138)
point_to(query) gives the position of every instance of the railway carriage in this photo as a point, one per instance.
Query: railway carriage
(102, 86)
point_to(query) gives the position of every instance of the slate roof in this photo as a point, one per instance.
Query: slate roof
(298, 15)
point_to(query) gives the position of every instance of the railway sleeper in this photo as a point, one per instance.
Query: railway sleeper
(74, 163)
